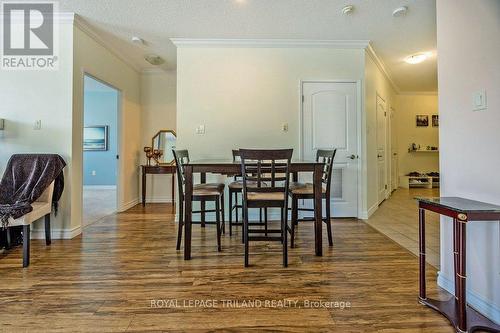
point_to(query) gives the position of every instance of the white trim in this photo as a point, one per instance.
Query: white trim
(128, 205)
(380, 64)
(359, 115)
(89, 31)
(238, 42)
(159, 200)
(57, 233)
(365, 215)
(153, 71)
(99, 187)
(475, 300)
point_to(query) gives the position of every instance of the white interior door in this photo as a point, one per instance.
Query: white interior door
(329, 120)
(382, 149)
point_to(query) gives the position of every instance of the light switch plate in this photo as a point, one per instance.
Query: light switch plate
(37, 125)
(479, 101)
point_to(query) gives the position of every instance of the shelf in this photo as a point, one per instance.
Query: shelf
(424, 151)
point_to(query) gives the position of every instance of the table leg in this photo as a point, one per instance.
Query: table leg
(143, 188)
(318, 209)
(188, 174)
(461, 276)
(421, 242)
(173, 192)
(455, 254)
(203, 180)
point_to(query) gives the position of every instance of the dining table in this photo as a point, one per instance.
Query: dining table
(228, 167)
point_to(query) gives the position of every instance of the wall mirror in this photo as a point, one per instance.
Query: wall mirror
(165, 140)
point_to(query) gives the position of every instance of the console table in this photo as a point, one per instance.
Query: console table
(157, 170)
(462, 211)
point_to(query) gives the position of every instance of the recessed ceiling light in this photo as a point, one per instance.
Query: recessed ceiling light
(417, 58)
(346, 10)
(154, 59)
(400, 11)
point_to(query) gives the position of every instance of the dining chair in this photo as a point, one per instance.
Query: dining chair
(202, 193)
(273, 168)
(299, 191)
(235, 188)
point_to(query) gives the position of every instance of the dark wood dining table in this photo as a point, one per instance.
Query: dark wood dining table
(229, 167)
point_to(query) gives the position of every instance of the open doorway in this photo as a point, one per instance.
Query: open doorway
(100, 149)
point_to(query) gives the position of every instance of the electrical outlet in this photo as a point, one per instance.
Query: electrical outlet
(37, 125)
(200, 129)
(284, 128)
(479, 102)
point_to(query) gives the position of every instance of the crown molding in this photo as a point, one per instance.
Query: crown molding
(89, 31)
(380, 64)
(230, 42)
(153, 71)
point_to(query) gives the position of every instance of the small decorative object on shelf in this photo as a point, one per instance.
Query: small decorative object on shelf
(154, 154)
(149, 154)
(420, 180)
(414, 148)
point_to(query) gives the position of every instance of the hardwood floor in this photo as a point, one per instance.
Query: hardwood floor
(106, 279)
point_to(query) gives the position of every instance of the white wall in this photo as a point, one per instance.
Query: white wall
(93, 58)
(468, 54)
(158, 101)
(408, 107)
(376, 83)
(26, 96)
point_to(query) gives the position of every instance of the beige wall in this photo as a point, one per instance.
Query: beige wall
(27, 96)
(93, 58)
(376, 83)
(408, 107)
(468, 53)
(158, 100)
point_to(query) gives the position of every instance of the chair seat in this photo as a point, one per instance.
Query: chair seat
(40, 209)
(238, 185)
(208, 189)
(266, 196)
(304, 188)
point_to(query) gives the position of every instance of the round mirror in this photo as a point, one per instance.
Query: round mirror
(165, 140)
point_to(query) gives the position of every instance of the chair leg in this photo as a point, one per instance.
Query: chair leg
(284, 232)
(260, 215)
(295, 212)
(245, 234)
(217, 214)
(230, 213)
(8, 239)
(329, 222)
(236, 206)
(26, 245)
(48, 238)
(223, 213)
(265, 219)
(181, 224)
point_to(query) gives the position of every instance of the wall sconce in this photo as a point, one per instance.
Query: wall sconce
(2, 124)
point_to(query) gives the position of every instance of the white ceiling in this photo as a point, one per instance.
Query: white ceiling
(156, 21)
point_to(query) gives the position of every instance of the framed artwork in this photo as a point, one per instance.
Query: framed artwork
(422, 120)
(95, 138)
(435, 120)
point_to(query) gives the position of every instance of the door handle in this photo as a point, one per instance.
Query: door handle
(379, 156)
(353, 157)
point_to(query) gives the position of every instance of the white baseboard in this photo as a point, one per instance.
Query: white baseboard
(99, 187)
(159, 200)
(365, 215)
(56, 233)
(476, 301)
(128, 205)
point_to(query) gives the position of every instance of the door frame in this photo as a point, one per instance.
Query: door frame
(359, 114)
(119, 137)
(388, 175)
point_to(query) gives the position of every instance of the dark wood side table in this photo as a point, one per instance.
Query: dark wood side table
(462, 211)
(158, 170)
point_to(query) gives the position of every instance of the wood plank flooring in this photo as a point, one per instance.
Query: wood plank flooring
(106, 279)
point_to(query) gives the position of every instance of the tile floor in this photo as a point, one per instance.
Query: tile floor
(98, 202)
(397, 218)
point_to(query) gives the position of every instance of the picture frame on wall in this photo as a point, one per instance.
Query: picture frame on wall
(435, 120)
(422, 120)
(95, 138)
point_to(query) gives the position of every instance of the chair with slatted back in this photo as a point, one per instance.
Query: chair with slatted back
(235, 188)
(300, 191)
(201, 192)
(273, 168)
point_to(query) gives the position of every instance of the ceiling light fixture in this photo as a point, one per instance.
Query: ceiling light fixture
(154, 59)
(346, 10)
(417, 58)
(138, 40)
(400, 11)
